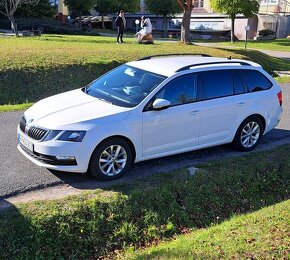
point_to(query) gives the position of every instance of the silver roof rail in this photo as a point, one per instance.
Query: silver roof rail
(187, 67)
(172, 54)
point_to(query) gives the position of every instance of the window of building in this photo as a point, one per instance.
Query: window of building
(269, 2)
(206, 25)
(198, 3)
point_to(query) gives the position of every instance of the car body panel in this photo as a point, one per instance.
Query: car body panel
(153, 133)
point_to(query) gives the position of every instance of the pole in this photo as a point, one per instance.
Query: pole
(246, 40)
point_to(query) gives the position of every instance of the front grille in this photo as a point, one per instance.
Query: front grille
(33, 132)
(36, 133)
(22, 124)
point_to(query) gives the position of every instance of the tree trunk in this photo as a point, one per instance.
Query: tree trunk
(185, 26)
(103, 23)
(14, 26)
(165, 26)
(233, 17)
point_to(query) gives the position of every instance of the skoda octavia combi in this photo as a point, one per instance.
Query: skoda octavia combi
(156, 106)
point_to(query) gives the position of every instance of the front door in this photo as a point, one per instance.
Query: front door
(176, 127)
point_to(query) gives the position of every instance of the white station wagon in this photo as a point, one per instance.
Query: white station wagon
(156, 106)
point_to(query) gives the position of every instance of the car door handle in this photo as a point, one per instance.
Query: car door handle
(241, 104)
(195, 112)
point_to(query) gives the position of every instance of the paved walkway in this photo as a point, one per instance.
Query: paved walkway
(277, 54)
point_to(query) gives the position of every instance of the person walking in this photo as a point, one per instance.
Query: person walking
(121, 24)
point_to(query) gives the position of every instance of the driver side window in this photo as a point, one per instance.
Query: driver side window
(179, 91)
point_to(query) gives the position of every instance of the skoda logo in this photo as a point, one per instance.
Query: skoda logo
(29, 122)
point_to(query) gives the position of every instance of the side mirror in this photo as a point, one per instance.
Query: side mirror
(160, 104)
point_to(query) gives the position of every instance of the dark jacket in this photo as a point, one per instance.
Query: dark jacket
(119, 22)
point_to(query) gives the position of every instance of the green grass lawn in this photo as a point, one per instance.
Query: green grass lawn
(156, 208)
(274, 45)
(264, 234)
(34, 68)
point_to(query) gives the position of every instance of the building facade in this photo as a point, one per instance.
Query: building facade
(273, 15)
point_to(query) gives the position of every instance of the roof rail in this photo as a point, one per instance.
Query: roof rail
(213, 62)
(172, 54)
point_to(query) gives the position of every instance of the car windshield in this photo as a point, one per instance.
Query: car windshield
(124, 86)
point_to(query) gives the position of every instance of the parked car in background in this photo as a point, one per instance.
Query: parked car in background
(93, 21)
(153, 107)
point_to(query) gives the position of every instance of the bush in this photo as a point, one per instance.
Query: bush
(266, 32)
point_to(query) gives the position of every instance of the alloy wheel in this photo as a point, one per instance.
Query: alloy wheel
(113, 160)
(250, 134)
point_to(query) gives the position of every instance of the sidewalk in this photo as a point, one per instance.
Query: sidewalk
(277, 54)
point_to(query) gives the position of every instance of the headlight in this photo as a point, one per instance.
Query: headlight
(72, 136)
(51, 135)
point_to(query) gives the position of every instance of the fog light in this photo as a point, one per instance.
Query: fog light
(66, 158)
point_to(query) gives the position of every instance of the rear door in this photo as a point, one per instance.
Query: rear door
(221, 105)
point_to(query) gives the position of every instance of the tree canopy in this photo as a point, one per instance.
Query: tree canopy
(80, 6)
(42, 9)
(246, 7)
(129, 6)
(105, 7)
(9, 7)
(164, 8)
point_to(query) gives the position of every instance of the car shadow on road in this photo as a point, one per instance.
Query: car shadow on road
(140, 170)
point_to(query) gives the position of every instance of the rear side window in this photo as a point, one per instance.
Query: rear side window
(215, 84)
(254, 80)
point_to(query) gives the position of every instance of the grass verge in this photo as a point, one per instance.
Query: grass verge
(135, 215)
(34, 68)
(6, 108)
(260, 235)
(283, 80)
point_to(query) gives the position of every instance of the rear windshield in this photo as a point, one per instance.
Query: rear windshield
(124, 86)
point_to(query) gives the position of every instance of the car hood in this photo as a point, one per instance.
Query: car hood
(71, 109)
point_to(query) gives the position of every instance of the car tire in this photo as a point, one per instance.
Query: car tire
(248, 134)
(111, 159)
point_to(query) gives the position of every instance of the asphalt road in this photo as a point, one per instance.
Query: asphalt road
(17, 174)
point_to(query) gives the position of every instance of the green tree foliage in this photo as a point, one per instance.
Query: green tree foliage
(42, 9)
(129, 6)
(80, 7)
(246, 7)
(164, 8)
(105, 7)
(9, 7)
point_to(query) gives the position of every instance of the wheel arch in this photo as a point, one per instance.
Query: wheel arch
(132, 146)
(260, 117)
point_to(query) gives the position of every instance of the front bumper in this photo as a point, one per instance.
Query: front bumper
(48, 154)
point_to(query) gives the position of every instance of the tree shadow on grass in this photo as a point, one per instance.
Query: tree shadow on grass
(14, 227)
(30, 85)
(146, 210)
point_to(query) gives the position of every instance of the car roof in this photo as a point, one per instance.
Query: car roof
(170, 65)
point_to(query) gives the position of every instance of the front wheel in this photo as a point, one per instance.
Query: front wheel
(248, 134)
(110, 159)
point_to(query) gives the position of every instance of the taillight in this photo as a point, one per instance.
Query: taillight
(279, 95)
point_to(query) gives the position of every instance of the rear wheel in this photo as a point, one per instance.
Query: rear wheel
(110, 159)
(248, 134)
